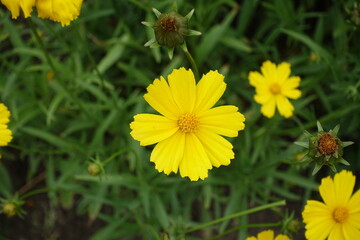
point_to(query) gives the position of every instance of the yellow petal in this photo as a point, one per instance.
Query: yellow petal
(337, 233)
(251, 238)
(315, 210)
(268, 108)
(4, 114)
(354, 203)
(5, 136)
(160, 98)
(291, 83)
(217, 148)
(257, 80)
(26, 6)
(150, 128)
(354, 219)
(168, 153)
(327, 192)
(13, 6)
(266, 235)
(223, 120)
(282, 72)
(183, 89)
(284, 106)
(195, 163)
(282, 237)
(293, 94)
(209, 90)
(350, 231)
(344, 183)
(63, 11)
(269, 71)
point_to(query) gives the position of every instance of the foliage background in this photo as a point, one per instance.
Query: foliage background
(62, 119)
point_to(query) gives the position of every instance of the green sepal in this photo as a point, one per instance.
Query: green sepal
(316, 169)
(319, 127)
(302, 144)
(157, 12)
(190, 14)
(348, 143)
(343, 161)
(193, 33)
(170, 52)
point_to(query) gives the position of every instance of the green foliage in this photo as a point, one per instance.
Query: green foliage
(73, 98)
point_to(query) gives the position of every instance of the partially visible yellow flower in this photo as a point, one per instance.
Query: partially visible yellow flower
(63, 11)
(268, 235)
(188, 130)
(338, 218)
(5, 133)
(273, 88)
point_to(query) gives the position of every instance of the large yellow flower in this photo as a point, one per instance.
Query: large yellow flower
(273, 88)
(338, 218)
(188, 134)
(5, 133)
(268, 235)
(63, 11)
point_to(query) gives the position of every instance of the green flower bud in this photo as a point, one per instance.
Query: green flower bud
(94, 169)
(171, 29)
(325, 148)
(9, 209)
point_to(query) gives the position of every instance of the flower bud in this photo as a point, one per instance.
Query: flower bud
(171, 29)
(94, 169)
(9, 209)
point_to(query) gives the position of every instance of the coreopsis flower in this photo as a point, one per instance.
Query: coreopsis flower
(170, 30)
(268, 235)
(338, 217)
(63, 11)
(274, 87)
(324, 148)
(5, 132)
(188, 130)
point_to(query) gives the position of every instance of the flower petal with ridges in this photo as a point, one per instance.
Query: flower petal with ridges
(327, 192)
(184, 91)
(284, 106)
(195, 163)
(209, 90)
(354, 203)
(223, 120)
(160, 97)
(344, 183)
(218, 149)
(168, 153)
(151, 128)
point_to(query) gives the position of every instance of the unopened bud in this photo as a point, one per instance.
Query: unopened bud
(9, 209)
(94, 169)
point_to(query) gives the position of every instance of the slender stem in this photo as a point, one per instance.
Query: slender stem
(235, 215)
(37, 191)
(192, 61)
(32, 183)
(116, 154)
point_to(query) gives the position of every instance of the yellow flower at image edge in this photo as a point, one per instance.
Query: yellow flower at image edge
(63, 11)
(338, 218)
(188, 132)
(5, 133)
(273, 88)
(268, 235)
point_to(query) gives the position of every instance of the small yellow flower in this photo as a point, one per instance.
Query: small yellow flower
(273, 88)
(338, 218)
(63, 11)
(5, 133)
(188, 132)
(268, 235)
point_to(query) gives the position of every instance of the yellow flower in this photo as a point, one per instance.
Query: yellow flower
(268, 235)
(5, 133)
(274, 87)
(188, 132)
(63, 11)
(338, 218)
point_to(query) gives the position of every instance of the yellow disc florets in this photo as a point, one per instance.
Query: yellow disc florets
(188, 123)
(340, 214)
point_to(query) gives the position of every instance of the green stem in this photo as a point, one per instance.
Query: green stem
(117, 154)
(37, 191)
(192, 61)
(235, 215)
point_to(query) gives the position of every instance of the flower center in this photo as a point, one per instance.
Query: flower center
(327, 144)
(340, 214)
(188, 123)
(168, 24)
(275, 89)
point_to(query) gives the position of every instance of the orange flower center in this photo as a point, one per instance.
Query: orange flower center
(275, 89)
(327, 144)
(168, 24)
(188, 123)
(340, 214)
